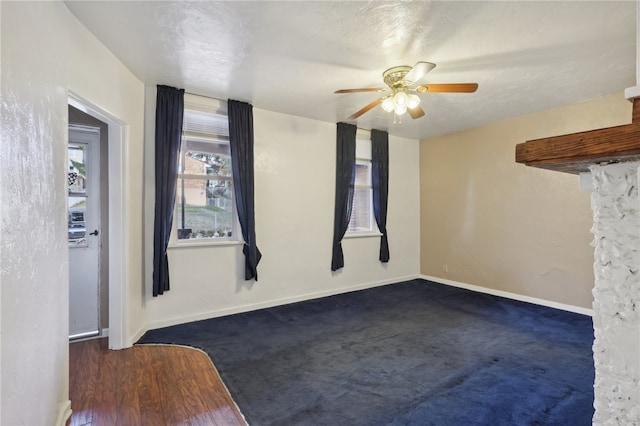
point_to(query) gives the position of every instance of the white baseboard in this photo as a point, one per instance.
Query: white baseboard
(310, 296)
(267, 304)
(64, 413)
(508, 295)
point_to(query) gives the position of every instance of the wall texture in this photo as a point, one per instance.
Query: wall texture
(33, 252)
(616, 317)
(294, 186)
(504, 226)
(45, 53)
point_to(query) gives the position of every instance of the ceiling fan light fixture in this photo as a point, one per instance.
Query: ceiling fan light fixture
(400, 98)
(400, 109)
(387, 104)
(414, 101)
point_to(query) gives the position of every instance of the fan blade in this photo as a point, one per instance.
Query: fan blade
(450, 88)
(416, 112)
(418, 71)
(369, 89)
(365, 109)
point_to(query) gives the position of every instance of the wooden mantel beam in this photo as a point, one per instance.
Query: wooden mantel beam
(575, 152)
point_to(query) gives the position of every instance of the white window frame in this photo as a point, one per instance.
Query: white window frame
(207, 105)
(363, 156)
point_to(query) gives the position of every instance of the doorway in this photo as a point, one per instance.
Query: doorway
(84, 231)
(113, 268)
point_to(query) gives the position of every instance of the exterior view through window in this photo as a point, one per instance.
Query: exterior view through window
(205, 208)
(77, 194)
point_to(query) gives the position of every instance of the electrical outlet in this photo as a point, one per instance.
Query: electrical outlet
(445, 268)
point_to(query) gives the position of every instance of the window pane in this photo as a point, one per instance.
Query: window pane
(363, 174)
(77, 168)
(76, 221)
(206, 158)
(204, 208)
(361, 210)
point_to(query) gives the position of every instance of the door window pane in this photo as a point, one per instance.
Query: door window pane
(77, 169)
(76, 221)
(77, 200)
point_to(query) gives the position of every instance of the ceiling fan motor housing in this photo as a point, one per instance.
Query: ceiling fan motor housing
(394, 77)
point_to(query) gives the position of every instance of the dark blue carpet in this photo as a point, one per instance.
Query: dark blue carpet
(412, 353)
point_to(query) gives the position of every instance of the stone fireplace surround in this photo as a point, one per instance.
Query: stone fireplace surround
(616, 306)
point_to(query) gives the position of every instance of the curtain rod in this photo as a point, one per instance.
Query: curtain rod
(369, 130)
(222, 100)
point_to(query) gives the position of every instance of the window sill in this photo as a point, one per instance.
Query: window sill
(371, 234)
(196, 243)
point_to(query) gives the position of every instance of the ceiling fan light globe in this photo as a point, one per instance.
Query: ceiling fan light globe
(400, 109)
(400, 98)
(414, 101)
(388, 105)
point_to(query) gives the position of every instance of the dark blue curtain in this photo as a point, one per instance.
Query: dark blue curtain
(345, 176)
(380, 183)
(169, 112)
(241, 141)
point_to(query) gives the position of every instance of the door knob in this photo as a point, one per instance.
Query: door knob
(94, 232)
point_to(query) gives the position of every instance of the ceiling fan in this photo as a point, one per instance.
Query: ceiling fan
(402, 97)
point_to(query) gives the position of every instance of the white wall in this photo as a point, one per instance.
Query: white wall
(45, 53)
(294, 187)
(100, 78)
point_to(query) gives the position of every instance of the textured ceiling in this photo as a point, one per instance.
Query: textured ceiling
(290, 57)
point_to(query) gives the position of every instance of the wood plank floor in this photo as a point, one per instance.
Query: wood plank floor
(146, 385)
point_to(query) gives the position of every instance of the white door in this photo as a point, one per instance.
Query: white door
(84, 231)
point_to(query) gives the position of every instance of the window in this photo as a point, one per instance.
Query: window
(77, 194)
(205, 206)
(362, 203)
(362, 208)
